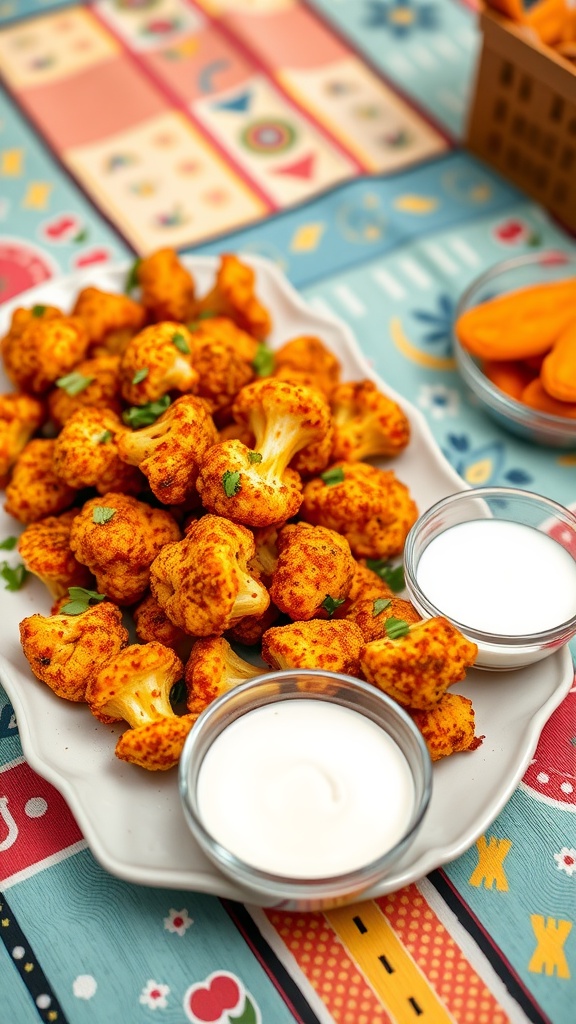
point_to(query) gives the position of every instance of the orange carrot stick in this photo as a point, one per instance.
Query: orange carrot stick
(536, 397)
(511, 377)
(558, 373)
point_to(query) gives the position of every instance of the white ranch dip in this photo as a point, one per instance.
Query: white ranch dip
(305, 789)
(499, 577)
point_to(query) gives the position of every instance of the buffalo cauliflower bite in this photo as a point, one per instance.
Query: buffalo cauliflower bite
(367, 423)
(233, 296)
(212, 669)
(86, 453)
(20, 418)
(367, 505)
(257, 487)
(169, 451)
(203, 583)
(110, 318)
(135, 686)
(167, 287)
(315, 568)
(45, 550)
(95, 382)
(35, 491)
(221, 373)
(416, 669)
(448, 727)
(156, 361)
(46, 350)
(152, 623)
(308, 356)
(67, 651)
(334, 646)
(118, 538)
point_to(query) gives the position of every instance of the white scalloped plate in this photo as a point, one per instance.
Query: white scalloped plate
(132, 819)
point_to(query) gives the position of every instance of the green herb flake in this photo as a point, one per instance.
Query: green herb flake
(392, 575)
(13, 576)
(254, 457)
(140, 375)
(80, 600)
(38, 310)
(206, 314)
(132, 278)
(395, 628)
(105, 437)
(102, 514)
(231, 483)
(263, 362)
(330, 604)
(144, 415)
(178, 692)
(379, 605)
(74, 383)
(333, 476)
(8, 544)
(181, 344)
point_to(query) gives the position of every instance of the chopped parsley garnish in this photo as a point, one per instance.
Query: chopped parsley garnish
(38, 310)
(182, 345)
(140, 375)
(132, 278)
(263, 362)
(80, 600)
(144, 415)
(104, 437)
(333, 476)
(380, 604)
(330, 604)
(392, 575)
(74, 383)
(254, 457)
(8, 544)
(13, 576)
(231, 483)
(395, 628)
(102, 514)
(206, 314)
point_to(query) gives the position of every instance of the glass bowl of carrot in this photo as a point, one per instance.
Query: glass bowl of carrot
(515, 346)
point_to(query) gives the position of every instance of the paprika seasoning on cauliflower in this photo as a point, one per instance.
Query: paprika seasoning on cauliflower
(306, 359)
(118, 538)
(155, 362)
(94, 382)
(448, 727)
(212, 669)
(20, 417)
(46, 350)
(86, 453)
(203, 583)
(367, 423)
(257, 487)
(313, 563)
(169, 451)
(319, 643)
(110, 319)
(45, 550)
(167, 286)
(35, 490)
(233, 295)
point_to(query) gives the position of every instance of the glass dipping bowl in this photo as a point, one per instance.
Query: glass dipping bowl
(314, 685)
(496, 652)
(538, 427)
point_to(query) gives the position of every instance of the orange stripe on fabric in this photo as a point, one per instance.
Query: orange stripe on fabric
(439, 957)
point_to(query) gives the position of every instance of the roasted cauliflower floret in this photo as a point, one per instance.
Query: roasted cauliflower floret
(257, 487)
(22, 318)
(152, 623)
(110, 319)
(372, 614)
(45, 550)
(417, 668)
(323, 644)
(167, 287)
(314, 571)
(67, 651)
(156, 361)
(448, 727)
(367, 423)
(86, 453)
(118, 538)
(170, 450)
(212, 669)
(221, 373)
(251, 628)
(135, 686)
(223, 331)
(367, 505)
(20, 418)
(46, 350)
(94, 382)
(308, 356)
(233, 295)
(35, 491)
(203, 583)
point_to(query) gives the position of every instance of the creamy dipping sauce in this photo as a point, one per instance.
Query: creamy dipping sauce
(305, 789)
(499, 577)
